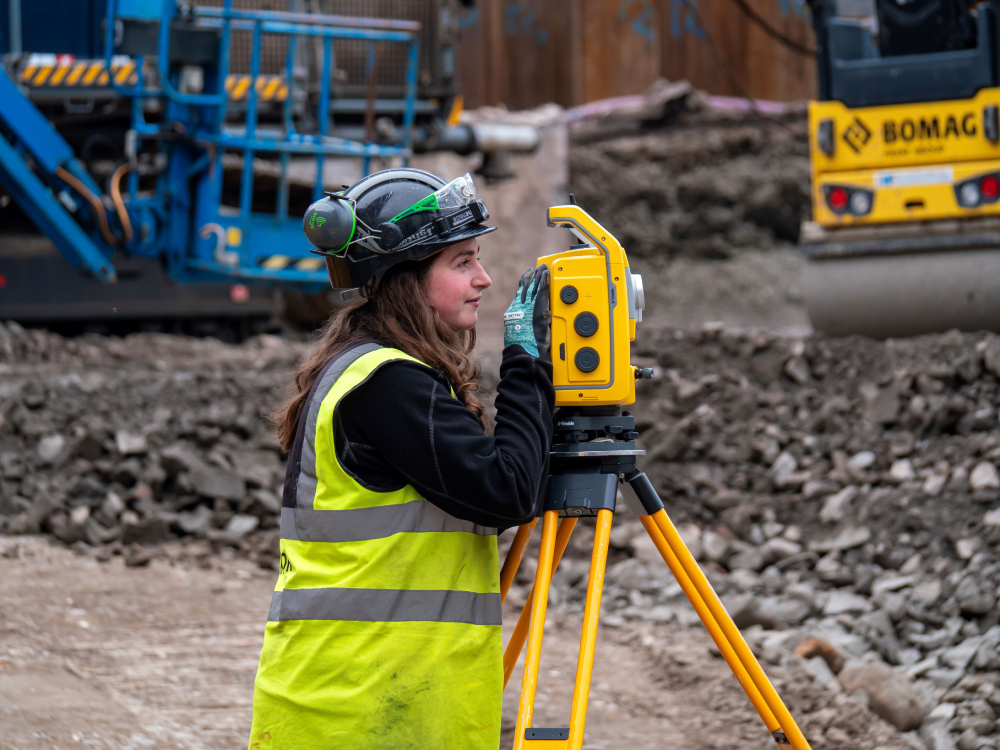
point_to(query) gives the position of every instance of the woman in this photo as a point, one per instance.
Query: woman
(384, 628)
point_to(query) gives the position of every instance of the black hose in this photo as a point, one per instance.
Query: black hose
(771, 31)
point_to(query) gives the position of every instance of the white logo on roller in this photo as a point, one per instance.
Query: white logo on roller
(513, 315)
(897, 178)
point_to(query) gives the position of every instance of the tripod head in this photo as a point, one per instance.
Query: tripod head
(592, 447)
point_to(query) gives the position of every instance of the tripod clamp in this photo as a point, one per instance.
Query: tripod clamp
(593, 452)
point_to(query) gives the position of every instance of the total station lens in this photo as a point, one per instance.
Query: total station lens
(587, 359)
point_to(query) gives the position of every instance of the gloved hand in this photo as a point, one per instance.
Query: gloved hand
(528, 320)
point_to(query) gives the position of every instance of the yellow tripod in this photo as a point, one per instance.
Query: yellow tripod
(584, 482)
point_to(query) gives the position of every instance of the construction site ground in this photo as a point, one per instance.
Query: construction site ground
(97, 655)
(844, 490)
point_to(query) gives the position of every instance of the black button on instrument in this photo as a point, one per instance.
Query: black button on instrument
(585, 324)
(587, 359)
(568, 294)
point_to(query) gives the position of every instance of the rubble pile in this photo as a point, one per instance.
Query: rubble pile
(709, 184)
(844, 499)
(119, 444)
(842, 495)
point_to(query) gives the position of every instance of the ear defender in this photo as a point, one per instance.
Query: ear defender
(330, 224)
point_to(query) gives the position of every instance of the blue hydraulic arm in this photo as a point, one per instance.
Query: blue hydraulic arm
(35, 135)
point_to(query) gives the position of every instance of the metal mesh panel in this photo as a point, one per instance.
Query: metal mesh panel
(273, 47)
(351, 55)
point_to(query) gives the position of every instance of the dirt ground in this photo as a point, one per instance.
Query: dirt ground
(97, 655)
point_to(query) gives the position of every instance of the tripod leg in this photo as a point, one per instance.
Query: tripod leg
(520, 634)
(791, 732)
(513, 560)
(539, 604)
(588, 638)
(725, 648)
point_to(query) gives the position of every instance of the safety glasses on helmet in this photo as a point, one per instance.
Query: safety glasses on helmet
(332, 225)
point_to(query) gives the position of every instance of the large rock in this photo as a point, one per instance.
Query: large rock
(240, 525)
(836, 507)
(748, 559)
(77, 526)
(845, 602)
(716, 546)
(777, 548)
(891, 695)
(130, 444)
(643, 548)
(958, 657)
(50, 447)
(974, 599)
(177, 458)
(783, 471)
(749, 609)
(629, 574)
(195, 522)
(846, 539)
(937, 737)
(150, 530)
(902, 470)
(214, 482)
(984, 477)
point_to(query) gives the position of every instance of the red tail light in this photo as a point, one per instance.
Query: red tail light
(989, 186)
(837, 198)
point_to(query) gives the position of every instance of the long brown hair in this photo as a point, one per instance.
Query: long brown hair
(397, 315)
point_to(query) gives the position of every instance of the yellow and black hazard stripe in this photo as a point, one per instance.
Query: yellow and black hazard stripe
(79, 74)
(269, 88)
(283, 262)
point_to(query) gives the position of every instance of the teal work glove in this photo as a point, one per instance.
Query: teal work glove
(528, 320)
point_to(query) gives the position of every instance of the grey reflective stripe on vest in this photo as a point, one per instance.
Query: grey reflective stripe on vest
(379, 522)
(305, 492)
(385, 605)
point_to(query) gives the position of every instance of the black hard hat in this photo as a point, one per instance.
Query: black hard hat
(387, 218)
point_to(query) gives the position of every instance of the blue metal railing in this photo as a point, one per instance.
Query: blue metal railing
(205, 117)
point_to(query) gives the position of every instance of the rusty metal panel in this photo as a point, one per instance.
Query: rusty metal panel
(524, 53)
(621, 46)
(473, 67)
(538, 40)
(715, 46)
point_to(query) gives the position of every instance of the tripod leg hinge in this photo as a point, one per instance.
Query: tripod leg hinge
(562, 733)
(638, 491)
(780, 737)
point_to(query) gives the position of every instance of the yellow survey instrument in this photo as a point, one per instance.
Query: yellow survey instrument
(596, 302)
(593, 456)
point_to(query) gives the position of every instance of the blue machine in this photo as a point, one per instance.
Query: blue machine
(182, 219)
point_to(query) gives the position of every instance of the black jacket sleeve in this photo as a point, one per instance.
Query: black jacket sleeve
(403, 426)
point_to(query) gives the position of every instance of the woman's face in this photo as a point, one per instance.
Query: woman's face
(454, 284)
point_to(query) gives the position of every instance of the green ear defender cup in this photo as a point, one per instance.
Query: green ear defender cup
(330, 224)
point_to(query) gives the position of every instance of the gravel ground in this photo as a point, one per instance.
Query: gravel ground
(100, 655)
(842, 494)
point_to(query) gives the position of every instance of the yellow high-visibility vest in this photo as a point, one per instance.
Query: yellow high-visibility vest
(384, 626)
